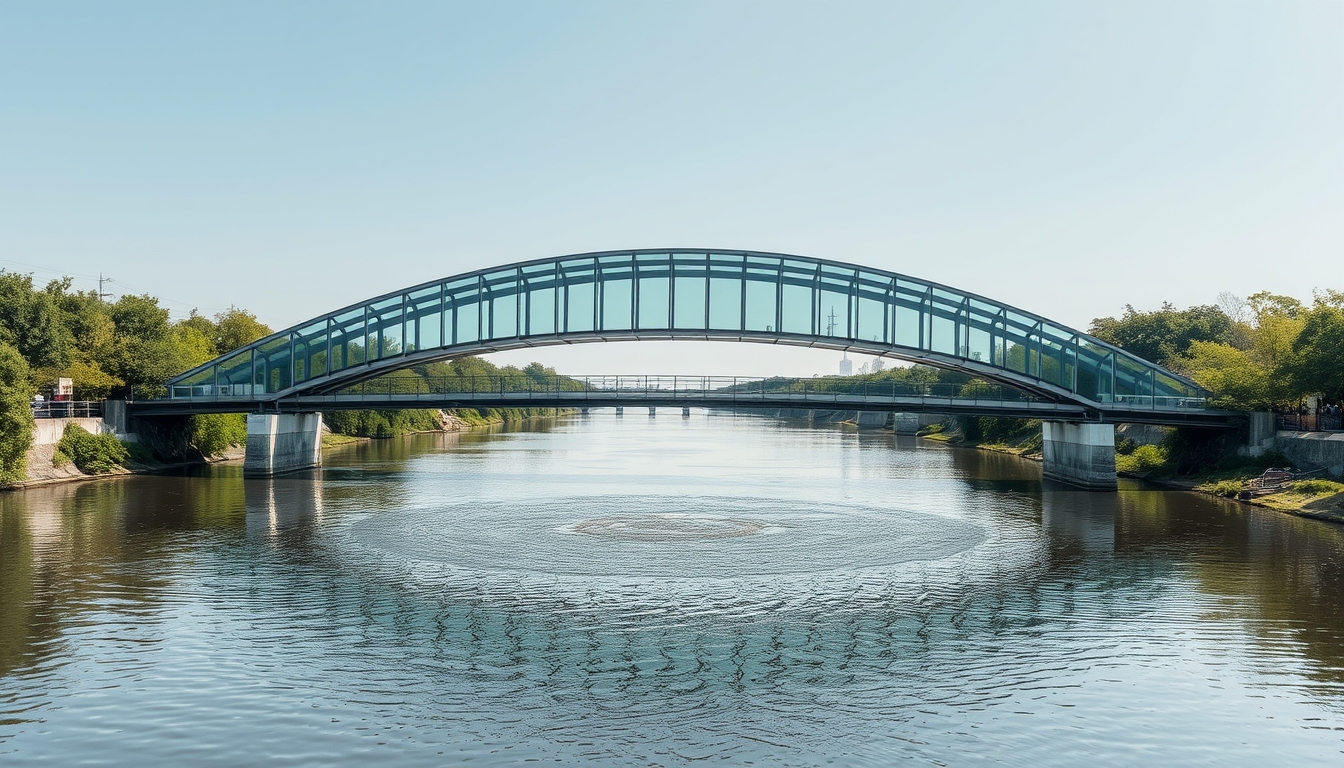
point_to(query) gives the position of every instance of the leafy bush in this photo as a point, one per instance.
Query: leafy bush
(1228, 488)
(931, 429)
(381, 423)
(1124, 446)
(215, 433)
(1316, 486)
(94, 454)
(1146, 459)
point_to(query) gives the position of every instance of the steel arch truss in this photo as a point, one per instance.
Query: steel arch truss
(690, 294)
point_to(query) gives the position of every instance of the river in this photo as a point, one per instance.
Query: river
(621, 590)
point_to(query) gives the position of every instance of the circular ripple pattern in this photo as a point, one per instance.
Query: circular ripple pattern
(668, 527)
(665, 537)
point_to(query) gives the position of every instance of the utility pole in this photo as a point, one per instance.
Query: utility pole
(101, 280)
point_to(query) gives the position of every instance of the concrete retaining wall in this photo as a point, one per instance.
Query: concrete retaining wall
(49, 431)
(1313, 450)
(1079, 454)
(278, 443)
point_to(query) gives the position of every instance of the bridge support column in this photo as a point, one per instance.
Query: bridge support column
(1079, 454)
(282, 442)
(905, 423)
(872, 419)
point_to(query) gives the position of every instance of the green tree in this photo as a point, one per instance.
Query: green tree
(1316, 362)
(235, 328)
(16, 416)
(1164, 334)
(31, 323)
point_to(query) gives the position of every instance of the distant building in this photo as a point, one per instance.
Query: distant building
(846, 365)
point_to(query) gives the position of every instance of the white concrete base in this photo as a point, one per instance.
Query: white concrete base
(1079, 454)
(285, 442)
(872, 419)
(49, 431)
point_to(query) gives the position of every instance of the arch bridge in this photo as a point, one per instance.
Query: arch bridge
(700, 294)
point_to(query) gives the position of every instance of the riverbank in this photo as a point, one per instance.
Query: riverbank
(1318, 499)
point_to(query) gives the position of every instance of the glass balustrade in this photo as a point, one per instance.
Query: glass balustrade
(696, 294)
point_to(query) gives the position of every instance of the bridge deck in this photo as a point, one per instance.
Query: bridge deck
(683, 392)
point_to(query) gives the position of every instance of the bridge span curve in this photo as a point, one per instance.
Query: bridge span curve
(688, 293)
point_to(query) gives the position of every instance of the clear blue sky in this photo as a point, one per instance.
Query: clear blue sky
(290, 157)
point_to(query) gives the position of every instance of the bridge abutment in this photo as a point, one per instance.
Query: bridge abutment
(282, 442)
(1079, 454)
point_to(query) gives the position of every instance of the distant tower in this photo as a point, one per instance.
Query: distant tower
(846, 365)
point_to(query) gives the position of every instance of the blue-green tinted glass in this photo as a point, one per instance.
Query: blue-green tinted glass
(833, 302)
(310, 351)
(908, 317)
(385, 328)
(873, 307)
(501, 304)
(1019, 333)
(1095, 371)
(270, 366)
(465, 312)
(762, 294)
(655, 290)
(689, 291)
(617, 279)
(580, 294)
(424, 319)
(944, 326)
(235, 374)
(539, 283)
(799, 298)
(347, 339)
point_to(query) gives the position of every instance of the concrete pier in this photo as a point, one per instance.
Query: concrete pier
(282, 442)
(872, 419)
(1079, 454)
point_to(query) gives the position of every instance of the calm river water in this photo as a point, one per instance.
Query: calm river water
(662, 591)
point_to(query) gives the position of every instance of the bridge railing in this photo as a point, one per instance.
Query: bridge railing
(728, 388)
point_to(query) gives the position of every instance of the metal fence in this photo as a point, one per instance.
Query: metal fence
(1321, 421)
(68, 409)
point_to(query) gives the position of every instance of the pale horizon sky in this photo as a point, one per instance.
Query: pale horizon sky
(292, 157)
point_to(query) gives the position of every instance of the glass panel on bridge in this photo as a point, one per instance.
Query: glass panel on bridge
(655, 290)
(980, 332)
(726, 288)
(1133, 381)
(798, 311)
(617, 279)
(835, 308)
(270, 366)
(310, 351)
(578, 276)
(690, 289)
(464, 310)
(874, 307)
(1019, 336)
(385, 328)
(945, 323)
(539, 283)
(909, 324)
(762, 294)
(1096, 371)
(347, 339)
(1057, 355)
(424, 318)
(499, 304)
(234, 377)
